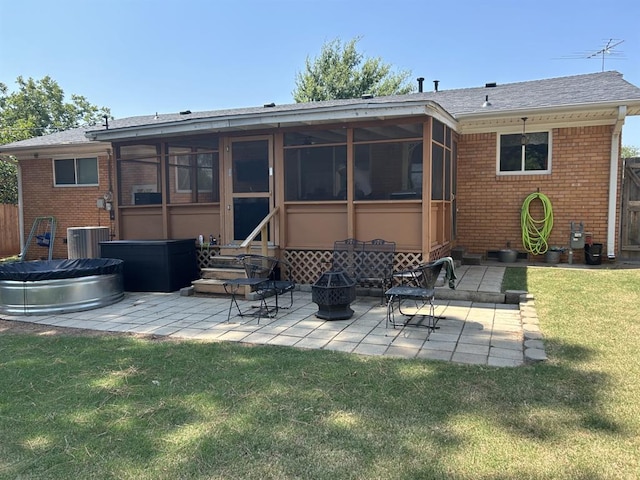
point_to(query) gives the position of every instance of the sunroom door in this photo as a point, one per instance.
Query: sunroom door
(249, 166)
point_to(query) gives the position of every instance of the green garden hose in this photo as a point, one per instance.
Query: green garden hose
(535, 233)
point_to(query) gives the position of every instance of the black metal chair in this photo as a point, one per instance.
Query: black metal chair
(418, 285)
(259, 278)
(283, 282)
(369, 264)
(376, 266)
(347, 257)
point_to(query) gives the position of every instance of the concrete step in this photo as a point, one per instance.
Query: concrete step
(472, 259)
(445, 293)
(222, 273)
(457, 253)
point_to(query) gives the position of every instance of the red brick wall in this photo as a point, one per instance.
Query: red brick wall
(71, 206)
(489, 205)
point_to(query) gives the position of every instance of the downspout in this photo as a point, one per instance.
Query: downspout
(613, 182)
(20, 210)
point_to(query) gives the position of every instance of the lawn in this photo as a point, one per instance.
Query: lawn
(121, 407)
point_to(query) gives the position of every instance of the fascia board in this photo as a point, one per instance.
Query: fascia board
(326, 115)
(582, 116)
(632, 105)
(51, 151)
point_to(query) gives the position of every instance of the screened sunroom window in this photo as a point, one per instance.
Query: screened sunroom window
(524, 153)
(313, 162)
(388, 162)
(139, 175)
(193, 175)
(315, 173)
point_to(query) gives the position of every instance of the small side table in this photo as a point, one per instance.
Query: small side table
(333, 292)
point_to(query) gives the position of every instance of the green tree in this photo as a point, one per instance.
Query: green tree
(340, 72)
(630, 151)
(38, 107)
(8, 181)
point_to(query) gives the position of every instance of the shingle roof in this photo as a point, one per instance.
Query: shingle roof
(578, 90)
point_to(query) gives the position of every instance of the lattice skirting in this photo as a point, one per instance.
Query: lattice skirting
(308, 265)
(203, 256)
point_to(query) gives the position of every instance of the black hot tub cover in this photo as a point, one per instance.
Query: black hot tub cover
(39, 270)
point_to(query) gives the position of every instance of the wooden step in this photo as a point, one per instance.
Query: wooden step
(214, 286)
(224, 261)
(221, 273)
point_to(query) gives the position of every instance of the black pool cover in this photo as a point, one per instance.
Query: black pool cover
(39, 270)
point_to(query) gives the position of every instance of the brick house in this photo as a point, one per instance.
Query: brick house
(429, 170)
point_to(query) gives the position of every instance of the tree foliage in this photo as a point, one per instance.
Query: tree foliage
(341, 72)
(38, 108)
(630, 151)
(8, 181)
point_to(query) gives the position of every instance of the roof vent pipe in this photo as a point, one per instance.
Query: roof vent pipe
(366, 96)
(486, 103)
(435, 85)
(420, 80)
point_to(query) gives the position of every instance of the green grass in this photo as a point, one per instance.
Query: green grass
(515, 278)
(119, 407)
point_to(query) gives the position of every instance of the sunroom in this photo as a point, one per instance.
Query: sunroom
(310, 175)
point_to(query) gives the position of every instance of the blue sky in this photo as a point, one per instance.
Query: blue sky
(139, 57)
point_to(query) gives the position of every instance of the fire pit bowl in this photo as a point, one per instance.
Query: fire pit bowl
(333, 292)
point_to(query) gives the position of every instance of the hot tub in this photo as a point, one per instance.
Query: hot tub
(45, 287)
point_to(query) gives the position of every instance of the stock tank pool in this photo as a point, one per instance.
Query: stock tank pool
(44, 287)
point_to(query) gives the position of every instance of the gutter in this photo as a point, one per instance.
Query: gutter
(20, 210)
(613, 182)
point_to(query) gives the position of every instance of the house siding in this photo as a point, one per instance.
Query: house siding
(71, 206)
(489, 205)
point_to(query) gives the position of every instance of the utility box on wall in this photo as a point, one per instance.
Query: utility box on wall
(577, 235)
(84, 242)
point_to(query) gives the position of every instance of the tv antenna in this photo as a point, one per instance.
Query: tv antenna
(607, 50)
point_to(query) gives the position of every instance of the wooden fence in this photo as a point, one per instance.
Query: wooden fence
(9, 230)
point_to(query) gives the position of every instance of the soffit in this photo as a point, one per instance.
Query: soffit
(552, 118)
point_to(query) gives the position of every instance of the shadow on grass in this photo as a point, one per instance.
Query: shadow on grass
(121, 407)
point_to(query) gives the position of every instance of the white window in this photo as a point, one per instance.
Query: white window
(528, 153)
(75, 171)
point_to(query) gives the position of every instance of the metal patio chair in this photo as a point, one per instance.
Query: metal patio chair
(346, 257)
(259, 278)
(418, 285)
(282, 283)
(376, 265)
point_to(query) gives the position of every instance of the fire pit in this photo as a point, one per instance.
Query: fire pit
(333, 292)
